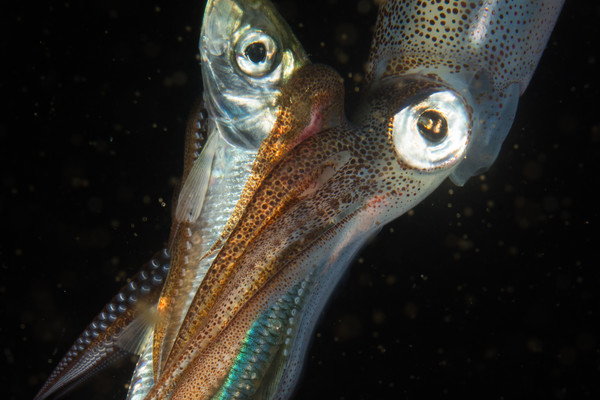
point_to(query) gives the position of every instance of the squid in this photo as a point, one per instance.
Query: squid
(281, 189)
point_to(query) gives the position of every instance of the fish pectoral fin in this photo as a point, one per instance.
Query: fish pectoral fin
(193, 191)
(134, 336)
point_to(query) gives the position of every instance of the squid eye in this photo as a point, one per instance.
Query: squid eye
(255, 53)
(432, 133)
(432, 125)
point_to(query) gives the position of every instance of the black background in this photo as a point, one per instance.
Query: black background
(488, 291)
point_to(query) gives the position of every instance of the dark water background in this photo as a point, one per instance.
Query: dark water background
(488, 291)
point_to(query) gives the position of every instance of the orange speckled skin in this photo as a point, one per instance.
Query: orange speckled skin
(309, 181)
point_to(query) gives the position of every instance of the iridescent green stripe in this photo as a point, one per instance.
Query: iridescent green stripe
(261, 345)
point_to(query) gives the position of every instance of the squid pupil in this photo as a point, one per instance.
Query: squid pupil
(256, 52)
(432, 126)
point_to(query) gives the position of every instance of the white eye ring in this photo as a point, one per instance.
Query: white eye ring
(432, 133)
(255, 53)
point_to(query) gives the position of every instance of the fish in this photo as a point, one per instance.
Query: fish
(220, 147)
(248, 53)
(442, 87)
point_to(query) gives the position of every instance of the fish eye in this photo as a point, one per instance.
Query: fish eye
(255, 53)
(432, 132)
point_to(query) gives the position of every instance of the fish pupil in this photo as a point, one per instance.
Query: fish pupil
(256, 52)
(432, 126)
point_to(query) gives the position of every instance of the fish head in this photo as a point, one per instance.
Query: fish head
(248, 52)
